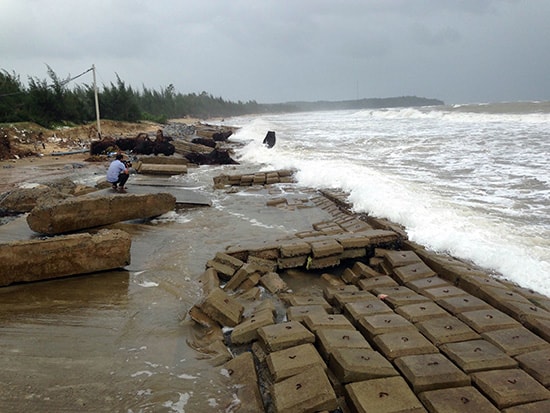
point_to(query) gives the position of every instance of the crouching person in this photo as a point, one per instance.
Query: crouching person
(118, 174)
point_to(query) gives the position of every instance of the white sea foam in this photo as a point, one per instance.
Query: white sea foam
(475, 184)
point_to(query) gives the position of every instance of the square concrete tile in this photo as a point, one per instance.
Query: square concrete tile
(515, 341)
(457, 400)
(443, 330)
(477, 355)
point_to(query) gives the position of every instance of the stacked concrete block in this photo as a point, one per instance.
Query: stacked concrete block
(225, 265)
(257, 178)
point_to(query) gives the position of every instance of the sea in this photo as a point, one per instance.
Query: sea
(469, 180)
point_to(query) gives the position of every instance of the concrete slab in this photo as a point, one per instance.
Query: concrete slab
(293, 360)
(443, 330)
(477, 355)
(297, 300)
(247, 331)
(396, 301)
(400, 344)
(431, 372)
(358, 364)
(223, 308)
(539, 326)
(536, 407)
(401, 258)
(273, 283)
(297, 313)
(316, 321)
(537, 364)
(329, 340)
(242, 376)
(510, 387)
(456, 400)
(386, 395)
(488, 320)
(280, 336)
(459, 304)
(437, 293)
(294, 248)
(373, 325)
(357, 310)
(369, 284)
(515, 341)
(308, 391)
(326, 248)
(424, 283)
(411, 272)
(523, 311)
(421, 311)
(330, 290)
(342, 298)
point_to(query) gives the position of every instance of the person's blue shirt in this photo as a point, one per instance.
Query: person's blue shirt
(115, 169)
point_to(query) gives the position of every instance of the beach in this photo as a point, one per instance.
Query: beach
(124, 341)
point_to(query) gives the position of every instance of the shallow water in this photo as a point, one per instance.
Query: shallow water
(120, 341)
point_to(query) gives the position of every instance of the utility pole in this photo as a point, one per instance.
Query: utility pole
(96, 106)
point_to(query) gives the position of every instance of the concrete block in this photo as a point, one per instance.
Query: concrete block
(326, 248)
(381, 236)
(373, 325)
(227, 259)
(393, 291)
(294, 248)
(437, 293)
(352, 365)
(247, 330)
(473, 281)
(262, 265)
(316, 321)
(448, 329)
(341, 298)
(330, 290)
(364, 270)
(348, 240)
(296, 300)
(273, 283)
(277, 337)
(510, 387)
(385, 395)
(323, 262)
(293, 360)
(238, 277)
(308, 391)
(330, 339)
(421, 311)
(515, 341)
(292, 262)
(495, 296)
(357, 310)
(477, 355)
(459, 304)
(241, 373)
(456, 400)
(523, 311)
(224, 270)
(413, 272)
(352, 253)
(396, 301)
(535, 407)
(539, 326)
(299, 312)
(487, 320)
(350, 277)
(399, 344)
(537, 364)
(250, 282)
(424, 283)
(157, 169)
(209, 280)
(369, 284)
(219, 306)
(401, 258)
(431, 372)
(60, 256)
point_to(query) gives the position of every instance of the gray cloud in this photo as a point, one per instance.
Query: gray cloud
(282, 50)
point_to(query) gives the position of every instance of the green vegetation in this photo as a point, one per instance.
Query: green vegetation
(53, 102)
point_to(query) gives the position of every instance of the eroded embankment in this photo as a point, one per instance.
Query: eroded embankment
(381, 324)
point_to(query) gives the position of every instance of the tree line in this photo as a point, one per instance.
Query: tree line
(53, 102)
(57, 101)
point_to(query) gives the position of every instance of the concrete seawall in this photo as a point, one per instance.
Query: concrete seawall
(397, 328)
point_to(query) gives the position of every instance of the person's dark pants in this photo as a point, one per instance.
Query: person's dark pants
(122, 178)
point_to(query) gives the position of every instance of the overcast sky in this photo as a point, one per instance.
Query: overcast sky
(459, 51)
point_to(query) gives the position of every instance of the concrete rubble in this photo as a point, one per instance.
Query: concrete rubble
(397, 328)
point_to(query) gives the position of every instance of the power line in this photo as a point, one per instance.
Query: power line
(60, 84)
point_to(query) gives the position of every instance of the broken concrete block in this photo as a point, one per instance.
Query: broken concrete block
(273, 283)
(61, 256)
(244, 382)
(222, 308)
(89, 211)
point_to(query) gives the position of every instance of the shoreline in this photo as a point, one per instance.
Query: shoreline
(137, 309)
